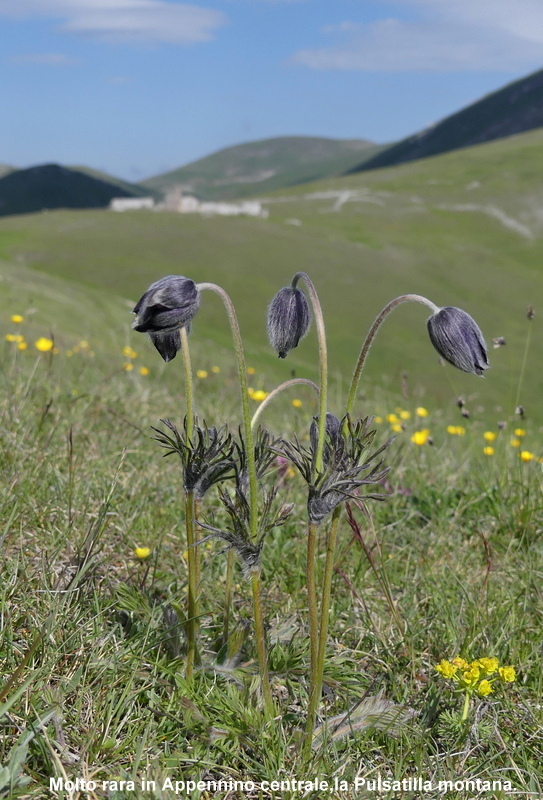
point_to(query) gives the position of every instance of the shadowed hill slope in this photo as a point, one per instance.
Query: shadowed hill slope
(516, 108)
(51, 186)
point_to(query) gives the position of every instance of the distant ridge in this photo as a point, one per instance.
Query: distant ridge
(516, 108)
(51, 186)
(264, 166)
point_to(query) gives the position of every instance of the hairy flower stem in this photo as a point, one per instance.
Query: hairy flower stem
(323, 364)
(404, 298)
(312, 599)
(253, 488)
(197, 559)
(316, 687)
(189, 385)
(193, 554)
(278, 390)
(191, 606)
(261, 643)
(228, 596)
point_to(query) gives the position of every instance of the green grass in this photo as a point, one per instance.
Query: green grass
(91, 641)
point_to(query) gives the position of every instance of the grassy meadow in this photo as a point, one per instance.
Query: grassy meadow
(92, 637)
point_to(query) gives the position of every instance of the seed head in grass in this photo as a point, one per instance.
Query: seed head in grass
(237, 534)
(345, 460)
(458, 339)
(207, 459)
(288, 320)
(168, 305)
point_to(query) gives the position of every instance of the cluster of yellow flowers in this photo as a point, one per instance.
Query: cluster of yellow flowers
(203, 373)
(398, 419)
(130, 354)
(42, 344)
(476, 676)
(525, 455)
(456, 430)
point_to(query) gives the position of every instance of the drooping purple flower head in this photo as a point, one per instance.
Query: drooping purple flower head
(288, 320)
(168, 305)
(458, 339)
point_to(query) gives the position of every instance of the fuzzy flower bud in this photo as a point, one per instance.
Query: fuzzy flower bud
(167, 306)
(288, 320)
(458, 339)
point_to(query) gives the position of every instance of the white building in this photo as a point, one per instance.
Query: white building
(176, 200)
(131, 203)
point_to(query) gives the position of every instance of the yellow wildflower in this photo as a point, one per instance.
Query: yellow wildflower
(259, 395)
(17, 319)
(421, 412)
(144, 370)
(201, 373)
(251, 392)
(490, 436)
(405, 415)
(456, 430)
(396, 427)
(489, 665)
(392, 418)
(215, 370)
(378, 420)
(507, 674)
(484, 688)
(526, 456)
(515, 442)
(128, 366)
(446, 669)
(420, 437)
(461, 663)
(44, 345)
(128, 352)
(488, 451)
(251, 370)
(471, 675)
(10, 337)
(520, 432)
(142, 553)
(297, 403)
(22, 346)
(84, 345)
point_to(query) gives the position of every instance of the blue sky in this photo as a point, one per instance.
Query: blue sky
(139, 87)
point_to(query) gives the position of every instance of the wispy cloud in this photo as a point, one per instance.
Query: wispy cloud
(124, 20)
(45, 59)
(446, 37)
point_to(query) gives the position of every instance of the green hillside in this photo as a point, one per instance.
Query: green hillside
(263, 166)
(515, 108)
(463, 229)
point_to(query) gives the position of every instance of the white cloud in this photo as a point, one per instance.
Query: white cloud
(447, 37)
(124, 20)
